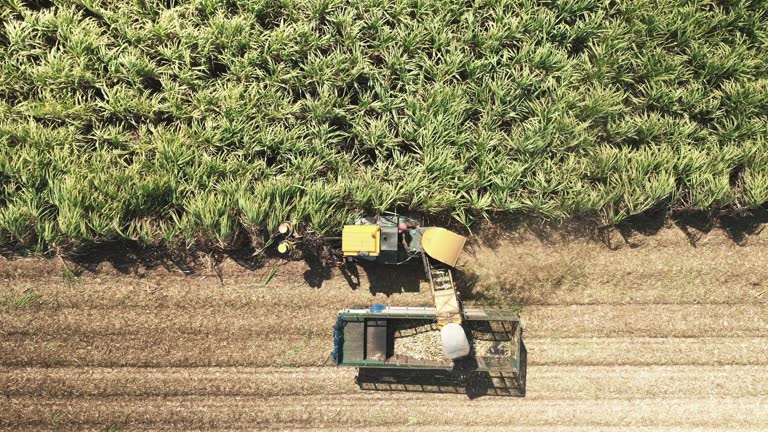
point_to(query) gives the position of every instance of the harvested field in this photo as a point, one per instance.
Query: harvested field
(657, 336)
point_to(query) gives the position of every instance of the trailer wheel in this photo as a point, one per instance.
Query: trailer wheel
(458, 375)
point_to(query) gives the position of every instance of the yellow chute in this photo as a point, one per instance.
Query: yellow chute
(442, 245)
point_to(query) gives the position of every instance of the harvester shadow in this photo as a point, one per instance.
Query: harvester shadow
(461, 380)
(380, 279)
(388, 280)
(466, 281)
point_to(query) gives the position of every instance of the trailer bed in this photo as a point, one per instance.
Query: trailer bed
(368, 338)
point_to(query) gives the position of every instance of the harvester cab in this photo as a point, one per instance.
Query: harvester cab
(387, 239)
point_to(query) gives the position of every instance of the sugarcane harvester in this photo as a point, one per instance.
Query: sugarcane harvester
(361, 334)
(393, 239)
(474, 342)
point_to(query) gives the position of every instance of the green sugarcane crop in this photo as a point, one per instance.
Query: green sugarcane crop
(211, 121)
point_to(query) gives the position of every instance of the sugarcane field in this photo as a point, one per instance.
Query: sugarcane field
(384, 215)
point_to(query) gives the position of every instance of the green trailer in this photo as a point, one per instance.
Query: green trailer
(366, 338)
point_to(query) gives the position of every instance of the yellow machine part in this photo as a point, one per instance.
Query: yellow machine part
(442, 245)
(285, 246)
(447, 308)
(361, 240)
(443, 288)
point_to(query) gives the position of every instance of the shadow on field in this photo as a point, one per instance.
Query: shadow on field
(737, 225)
(384, 279)
(741, 227)
(458, 381)
(132, 257)
(320, 263)
(129, 257)
(694, 224)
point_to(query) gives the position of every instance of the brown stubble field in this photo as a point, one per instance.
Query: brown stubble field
(654, 335)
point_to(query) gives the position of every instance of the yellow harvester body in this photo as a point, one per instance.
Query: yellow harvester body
(440, 250)
(361, 240)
